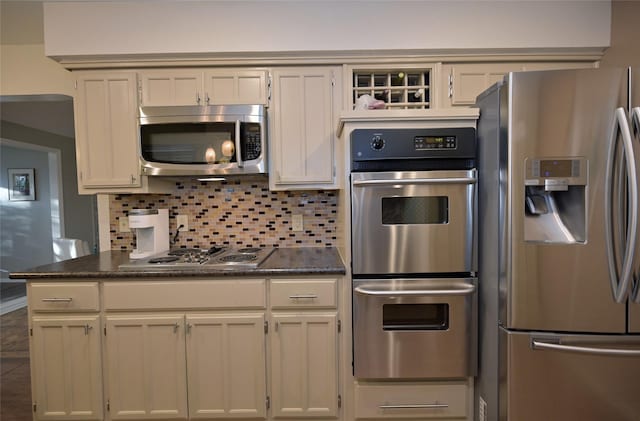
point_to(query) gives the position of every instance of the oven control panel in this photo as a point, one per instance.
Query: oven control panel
(413, 149)
(423, 143)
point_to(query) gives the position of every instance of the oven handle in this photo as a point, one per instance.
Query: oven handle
(466, 290)
(453, 180)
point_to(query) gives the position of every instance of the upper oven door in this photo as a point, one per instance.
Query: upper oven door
(413, 222)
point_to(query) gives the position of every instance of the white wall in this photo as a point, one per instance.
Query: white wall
(73, 29)
(78, 211)
(26, 238)
(25, 70)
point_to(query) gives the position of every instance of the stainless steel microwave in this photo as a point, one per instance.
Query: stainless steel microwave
(203, 140)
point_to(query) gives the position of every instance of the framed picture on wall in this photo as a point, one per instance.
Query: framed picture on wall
(22, 185)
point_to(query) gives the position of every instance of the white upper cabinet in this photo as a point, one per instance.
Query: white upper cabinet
(224, 86)
(302, 118)
(169, 87)
(106, 130)
(107, 135)
(463, 82)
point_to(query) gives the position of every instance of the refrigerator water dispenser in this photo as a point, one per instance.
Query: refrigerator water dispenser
(555, 200)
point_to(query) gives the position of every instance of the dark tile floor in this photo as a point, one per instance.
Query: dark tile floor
(15, 384)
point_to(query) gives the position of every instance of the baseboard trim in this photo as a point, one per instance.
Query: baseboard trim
(12, 305)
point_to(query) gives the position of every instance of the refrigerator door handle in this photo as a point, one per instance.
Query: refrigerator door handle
(635, 131)
(616, 352)
(620, 285)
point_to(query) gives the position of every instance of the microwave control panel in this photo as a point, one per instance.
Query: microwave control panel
(251, 141)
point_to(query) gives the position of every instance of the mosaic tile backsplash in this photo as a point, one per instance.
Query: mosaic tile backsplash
(238, 212)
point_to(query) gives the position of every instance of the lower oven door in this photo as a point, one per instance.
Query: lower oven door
(414, 328)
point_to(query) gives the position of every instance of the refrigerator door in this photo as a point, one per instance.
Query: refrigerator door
(560, 126)
(578, 377)
(634, 301)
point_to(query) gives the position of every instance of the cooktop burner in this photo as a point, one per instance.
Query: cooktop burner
(235, 258)
(249, 250)
(214, 257)
(167, 259)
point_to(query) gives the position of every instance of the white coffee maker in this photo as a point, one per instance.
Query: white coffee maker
(151, 228)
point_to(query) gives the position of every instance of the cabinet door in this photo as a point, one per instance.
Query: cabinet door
(464, 82)
(106, 130)
(66, 368)
(171, 87)
(302, 129)
(146, 367)
(229, 86)
(226, 366)
(467, 81)
(304, 365)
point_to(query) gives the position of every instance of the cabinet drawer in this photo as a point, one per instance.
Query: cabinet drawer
(75, 296)
(287, 293)
(196, 294)
(424, 401)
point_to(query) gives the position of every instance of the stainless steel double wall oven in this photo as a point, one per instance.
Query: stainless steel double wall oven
(413, 219)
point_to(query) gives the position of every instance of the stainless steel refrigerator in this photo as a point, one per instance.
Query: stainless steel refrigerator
(559, 298)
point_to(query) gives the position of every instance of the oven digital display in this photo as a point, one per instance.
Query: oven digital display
(423, 143)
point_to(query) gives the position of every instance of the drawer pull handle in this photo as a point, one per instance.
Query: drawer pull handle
(57, 300)
(298, 296)
(416, 406)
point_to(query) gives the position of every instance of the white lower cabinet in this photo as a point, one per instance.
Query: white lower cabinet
(146, 367)
(304, 364)
(66, 366)
(226, 366)
(65, 350)
(186, 366)
(188, 349)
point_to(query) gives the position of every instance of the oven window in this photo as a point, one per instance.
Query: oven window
(415, 210)
(415, 316)
(188, 143)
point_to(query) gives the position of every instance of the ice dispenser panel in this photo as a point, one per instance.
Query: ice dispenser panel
(555, 200)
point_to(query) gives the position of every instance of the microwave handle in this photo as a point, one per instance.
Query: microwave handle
(238, 152)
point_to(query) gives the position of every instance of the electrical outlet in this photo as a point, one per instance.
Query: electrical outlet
(123, 224)
(297, 222)
(184, 221)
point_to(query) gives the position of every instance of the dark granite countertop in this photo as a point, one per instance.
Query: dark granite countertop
(283, 262)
